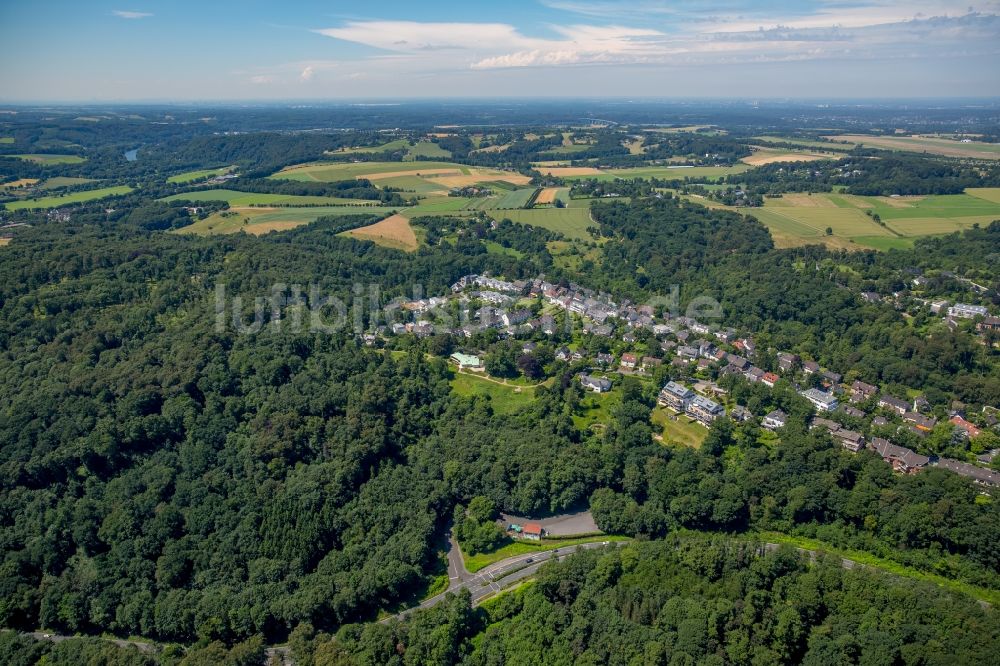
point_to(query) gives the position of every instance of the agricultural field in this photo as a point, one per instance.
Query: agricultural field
(189, 176)
(397, 144)
(807, 143)
(428, 149)
(571, 222)
(548, 195)
(51, 160)
(663, 172)
(263, 220)
(925, 144)
(763, 156)
(20, 183)
(238, 199)
(516, 198)
(393, 232)
(58, 182)
(800, 219)
(65, 199)
(991, 194)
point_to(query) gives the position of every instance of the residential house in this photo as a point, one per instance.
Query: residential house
(980, 475)
(894, 404)
(787, 361)
(901, 458)
(595, 384)
(740, 414)
(687, 352)
(563, 354)
(704, 410)
(921, 404)
(967, 311)
(965, 427)
(755, 374)
(861, 391)
(879, 421)
(810, 367)
(850, 440)
(988, 324)
(532, 531)
(854, 411)
(832, 377)
(937, 307)
(919, 421)
(628, 360)
(675, 396)
(738, 361)
(467, 360)
(605, 359)
(821, 400)
(769, 379)
(774, 420)
(651, 362)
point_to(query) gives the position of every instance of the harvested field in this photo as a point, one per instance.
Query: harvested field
(394, 231)
(764, 156)
(570, 171)
(547, 195)
(410, 172)
(925, 144)
(20, 182)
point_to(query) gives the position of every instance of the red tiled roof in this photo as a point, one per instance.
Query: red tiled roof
(533, 528)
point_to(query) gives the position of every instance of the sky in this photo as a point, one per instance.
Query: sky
(218, 50)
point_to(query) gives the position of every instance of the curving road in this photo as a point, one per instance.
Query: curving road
(490, 580)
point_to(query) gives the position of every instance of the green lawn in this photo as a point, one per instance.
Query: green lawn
(571, 222)
(505, 399)
(596, 408)
(679, 429)
(49, 160)
(482, 560)
(238, 199)
(428, 149)
(867, 559)
(188, 176)
(74, 197)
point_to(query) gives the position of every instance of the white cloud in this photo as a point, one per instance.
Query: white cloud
(307, 73)
(126, 14)
(261, 79)
(410, 36)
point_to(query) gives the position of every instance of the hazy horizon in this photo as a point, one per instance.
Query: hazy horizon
(158, 52)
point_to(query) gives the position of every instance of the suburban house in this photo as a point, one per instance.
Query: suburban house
(810, 367)
(854, 411)
(919, 421)
(921, 404)
(894, 404)
(901, 458)
(850, 440)
(774, 420)
(861, 391)
(675, 396)
(740, 414)
(704, 410)
(964, 426)
(686, 351)
(605, 359)
(980, 475)
(988, 324)
(966, 311)
(595, 384)
(769, 379)
(787, 361)
(467, 360)
(650, 362)
(532, 531)
(628, 360)
(821, 400)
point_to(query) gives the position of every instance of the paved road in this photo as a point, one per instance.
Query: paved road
(490, 580)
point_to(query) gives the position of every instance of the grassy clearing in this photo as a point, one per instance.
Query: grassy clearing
(189, 176)
(398, 144)
(58, 182)
(679, 429)
(5, 241)
(333, 171)
(801, 219)
(6, 139)
(428, 149)
(66, 199)
(240, 199)
(392, 232)
(505, 398)
(482, 560)
(571, 222)
(867, 559)
(806, 143)
(19, 183)
(50, 160)
(991, 194)
(596, 409)
(263, 220)
(925, 144)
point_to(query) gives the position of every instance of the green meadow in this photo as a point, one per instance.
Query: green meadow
(264, 220)
(334, 171)
(51, 160)
(570, 222)
(65, 199)
(237, 199)
(189, 176)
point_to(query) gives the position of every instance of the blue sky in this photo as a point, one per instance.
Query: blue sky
(179, 50)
